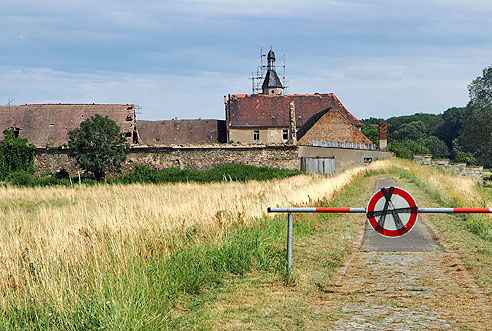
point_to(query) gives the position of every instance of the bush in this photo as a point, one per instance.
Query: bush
(141, 174)
(21, 178)
(62, 174)
(224, 172)
(16, 154)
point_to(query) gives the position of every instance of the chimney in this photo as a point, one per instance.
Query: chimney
(292, 124)
(383, 136)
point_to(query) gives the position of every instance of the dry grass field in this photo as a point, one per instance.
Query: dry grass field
(92, 249)
(57, 241)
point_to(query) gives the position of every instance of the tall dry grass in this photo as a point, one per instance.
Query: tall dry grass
(451, 189)
(54, 240)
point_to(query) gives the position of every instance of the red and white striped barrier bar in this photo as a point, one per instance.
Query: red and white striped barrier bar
(316, 210)
(456, 210)
(363, 210)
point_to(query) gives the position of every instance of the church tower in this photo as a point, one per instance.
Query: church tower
(272, 84)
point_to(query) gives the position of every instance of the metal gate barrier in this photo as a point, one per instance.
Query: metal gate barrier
(391, 211)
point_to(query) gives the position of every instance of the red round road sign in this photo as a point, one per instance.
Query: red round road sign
(392, 212)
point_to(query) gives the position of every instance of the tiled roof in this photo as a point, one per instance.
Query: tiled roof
(48, 124)
(330, 125)
(177, 132)
(273, 111)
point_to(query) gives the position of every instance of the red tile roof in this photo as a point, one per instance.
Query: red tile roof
(48, 124)
(273, 111)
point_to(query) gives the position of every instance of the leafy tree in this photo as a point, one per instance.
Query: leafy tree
(481, 87)
(465, 157)
(476, 136)
(98, 146)
(371, 131)
(410, 131)
(436, 146)
(407, 149)
(431, 122)
(451, 125)
(16, 155)
(477, 132)
(460, 156)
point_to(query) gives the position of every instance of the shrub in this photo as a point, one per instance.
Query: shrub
(62, 174)
(16, 154)
(21, 178)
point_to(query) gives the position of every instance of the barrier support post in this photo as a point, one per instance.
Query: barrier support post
(289, 244)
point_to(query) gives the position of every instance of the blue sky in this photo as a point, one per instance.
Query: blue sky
(381, 58)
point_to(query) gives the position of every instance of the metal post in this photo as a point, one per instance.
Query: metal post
(289, 244)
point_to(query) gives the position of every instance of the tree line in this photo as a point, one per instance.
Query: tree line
(463, 134)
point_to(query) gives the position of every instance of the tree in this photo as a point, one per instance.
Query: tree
(436, 146)
(481, 87)
(451, 126)
(407, 149)
(476, 136)
(98, 146)
(16, 155)
(410, 131)
(371, 131)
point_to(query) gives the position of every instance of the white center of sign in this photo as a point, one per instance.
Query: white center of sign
(392, 212)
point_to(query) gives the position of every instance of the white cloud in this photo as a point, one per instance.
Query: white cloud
(161, 96)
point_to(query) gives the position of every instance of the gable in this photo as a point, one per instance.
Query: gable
(331, 126)
(259, 110)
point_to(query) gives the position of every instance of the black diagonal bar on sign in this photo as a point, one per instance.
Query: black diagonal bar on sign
(387, 196)
(398, 223)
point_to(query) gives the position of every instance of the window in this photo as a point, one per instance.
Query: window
(16, 132)
(256, 135)
(285, 134)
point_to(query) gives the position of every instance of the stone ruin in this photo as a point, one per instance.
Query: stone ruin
(460, 169)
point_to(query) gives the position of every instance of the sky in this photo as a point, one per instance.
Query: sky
(381, 58)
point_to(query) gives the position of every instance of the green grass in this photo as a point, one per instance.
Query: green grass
(223, 172)
(159, 292)
(146, 175)
(145, 296)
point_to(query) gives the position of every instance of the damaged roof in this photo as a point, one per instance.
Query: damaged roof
(259, 110)
(178, 132)
(48, 124)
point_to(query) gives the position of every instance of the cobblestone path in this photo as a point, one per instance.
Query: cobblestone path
(410, 291)
(418, 286)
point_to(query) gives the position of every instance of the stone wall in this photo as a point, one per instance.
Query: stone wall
(460, 169)
(197, 157)
(206, 157)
